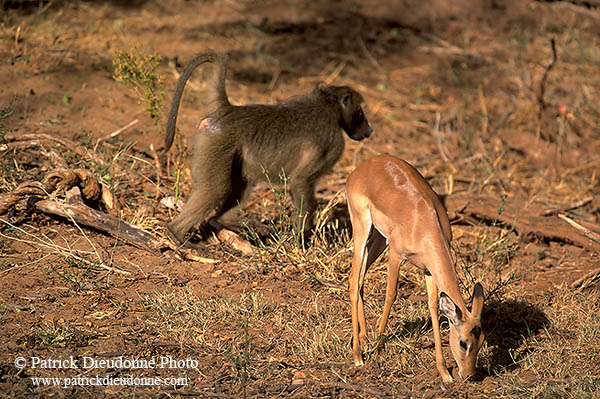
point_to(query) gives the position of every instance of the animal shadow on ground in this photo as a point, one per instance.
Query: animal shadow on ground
(507, 324)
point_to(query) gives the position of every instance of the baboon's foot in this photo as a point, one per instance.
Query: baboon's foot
(178, 239)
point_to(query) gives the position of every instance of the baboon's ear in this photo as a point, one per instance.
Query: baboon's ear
(318, 87)
(450, 310)
(329, 92)
(477, 302)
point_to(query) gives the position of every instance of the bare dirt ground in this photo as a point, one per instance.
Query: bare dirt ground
(463, 90)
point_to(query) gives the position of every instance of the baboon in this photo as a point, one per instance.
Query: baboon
(238, 146)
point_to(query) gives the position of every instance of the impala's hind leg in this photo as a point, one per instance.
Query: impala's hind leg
(390, 289)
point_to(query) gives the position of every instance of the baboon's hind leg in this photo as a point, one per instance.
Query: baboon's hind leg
(233, 206)
(303, 198)
(212, 189)
(197, 208)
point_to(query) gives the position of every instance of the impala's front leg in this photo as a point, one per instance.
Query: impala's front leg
(432, 301)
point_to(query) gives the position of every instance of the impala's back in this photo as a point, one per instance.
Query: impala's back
(390, 191)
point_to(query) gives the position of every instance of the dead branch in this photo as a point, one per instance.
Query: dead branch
(75, 210)
(84, 215)
(61, 178)
(524, 220)
(81, 214)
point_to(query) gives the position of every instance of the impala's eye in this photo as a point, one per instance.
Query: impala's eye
(463, 345)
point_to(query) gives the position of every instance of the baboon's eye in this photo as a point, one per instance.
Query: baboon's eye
(463, 345)
(346, 100)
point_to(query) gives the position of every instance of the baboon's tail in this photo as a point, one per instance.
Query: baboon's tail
(215, 99)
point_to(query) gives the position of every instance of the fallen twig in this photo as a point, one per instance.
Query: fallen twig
(586, 232)
(116, 132)
(232, 239)
(190, 256)
(13, 307)
(574, 205)
(40, 136)
(66, 252)
(586, 280)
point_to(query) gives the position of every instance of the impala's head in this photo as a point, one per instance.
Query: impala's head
(466, 336)
(352, 117)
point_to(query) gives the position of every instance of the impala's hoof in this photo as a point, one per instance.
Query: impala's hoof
(359, 363)
(447, 378)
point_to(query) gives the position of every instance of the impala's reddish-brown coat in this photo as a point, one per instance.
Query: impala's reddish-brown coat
(391, 203)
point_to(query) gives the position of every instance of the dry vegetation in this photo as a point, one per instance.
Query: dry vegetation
(467, 97)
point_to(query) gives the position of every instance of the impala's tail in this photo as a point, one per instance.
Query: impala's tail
(216, 98)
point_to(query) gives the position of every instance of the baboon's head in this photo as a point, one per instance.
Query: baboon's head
(466, 336)
(352, 118)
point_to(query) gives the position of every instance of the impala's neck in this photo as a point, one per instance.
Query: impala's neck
(444, 276)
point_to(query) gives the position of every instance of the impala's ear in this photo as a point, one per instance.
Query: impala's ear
(450, 310)
(477, 302)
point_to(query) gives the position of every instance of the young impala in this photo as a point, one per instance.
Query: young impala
(390, 202)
